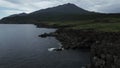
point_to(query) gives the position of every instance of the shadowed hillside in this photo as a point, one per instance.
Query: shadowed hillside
(67, 15)
(62, 12)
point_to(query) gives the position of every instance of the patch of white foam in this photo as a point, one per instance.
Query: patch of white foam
(55, 49)
(51, 49)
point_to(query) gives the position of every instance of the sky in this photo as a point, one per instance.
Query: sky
(8, 7)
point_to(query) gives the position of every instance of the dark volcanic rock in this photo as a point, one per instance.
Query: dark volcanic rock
(47, 35)
(44, 35)
(104, 46)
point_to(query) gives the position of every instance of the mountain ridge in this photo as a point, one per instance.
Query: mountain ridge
(63, 12)
(65, 8)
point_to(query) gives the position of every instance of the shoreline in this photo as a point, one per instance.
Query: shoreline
(104, 46)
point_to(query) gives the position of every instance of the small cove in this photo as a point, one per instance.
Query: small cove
(20, 47)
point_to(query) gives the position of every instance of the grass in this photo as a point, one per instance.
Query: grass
(107, 27)
(106, 24)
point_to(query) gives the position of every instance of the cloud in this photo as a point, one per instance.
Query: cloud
(8, 7)
(112, 6)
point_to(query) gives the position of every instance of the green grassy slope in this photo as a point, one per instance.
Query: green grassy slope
(104, 24)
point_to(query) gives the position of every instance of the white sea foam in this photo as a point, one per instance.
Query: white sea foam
(51, 49)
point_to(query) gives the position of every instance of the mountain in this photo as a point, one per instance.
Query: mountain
(63, 9)
(21, 14)
(62, 12)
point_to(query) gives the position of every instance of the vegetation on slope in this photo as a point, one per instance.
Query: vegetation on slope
(105, 24)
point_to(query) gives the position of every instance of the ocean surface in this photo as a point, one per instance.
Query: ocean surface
(20, 47)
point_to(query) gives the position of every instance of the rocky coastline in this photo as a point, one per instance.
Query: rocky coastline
(104, 46)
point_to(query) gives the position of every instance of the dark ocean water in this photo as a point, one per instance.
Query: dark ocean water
(20, 47)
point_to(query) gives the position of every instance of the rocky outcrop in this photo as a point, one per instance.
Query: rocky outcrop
(47, 34)
(106, 55)
(104, 46)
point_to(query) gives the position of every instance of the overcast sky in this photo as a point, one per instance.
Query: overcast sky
(8, 7)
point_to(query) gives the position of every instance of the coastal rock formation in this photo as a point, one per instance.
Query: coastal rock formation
(104, 46)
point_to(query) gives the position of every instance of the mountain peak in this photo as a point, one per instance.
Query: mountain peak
(60, 12)
(67, 8)
(69, 4)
